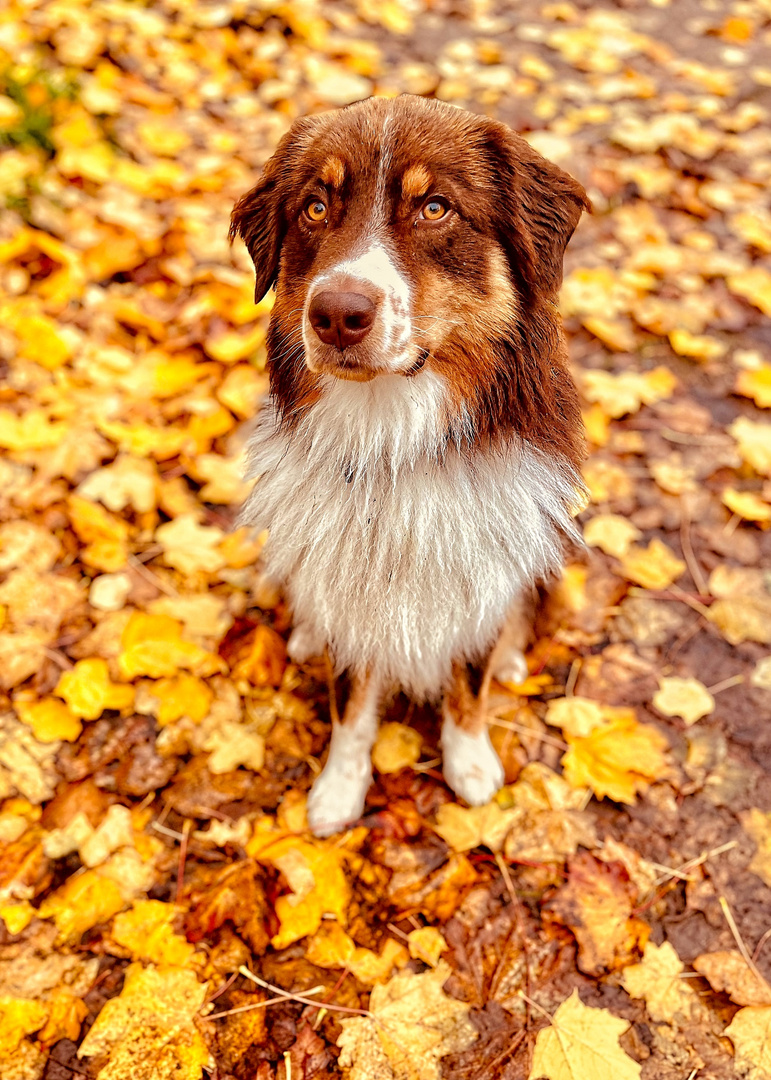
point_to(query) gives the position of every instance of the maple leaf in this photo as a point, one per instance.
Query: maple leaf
(582, 1041)
(750, 1032)
(411, 1026)
(88, 690)
(153, 645)
(610, 752)
(611, 533)
(149, 1031)
(757, 825)
(658, 980)
(687, 698)
(146, 933)
(331, 947)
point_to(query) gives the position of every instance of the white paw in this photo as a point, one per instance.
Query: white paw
(337, 797)
(510, 667)
(303, 644)
(471, 766)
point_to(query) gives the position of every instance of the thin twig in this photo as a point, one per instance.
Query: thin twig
(760, 944)
(299, 997)
(738, 939)
(689, 555)
(726, 684)
(512, 725)
(575, 671)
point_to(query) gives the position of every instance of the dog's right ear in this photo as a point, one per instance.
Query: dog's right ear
(258, 217)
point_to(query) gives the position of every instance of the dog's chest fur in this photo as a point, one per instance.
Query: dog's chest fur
(398, 544)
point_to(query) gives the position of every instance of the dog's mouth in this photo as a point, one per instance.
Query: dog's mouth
(357, 365)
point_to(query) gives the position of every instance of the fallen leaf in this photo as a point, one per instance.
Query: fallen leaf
(611, 533)
(146, 932)
(582, 1042)
(397, 747)
(658, 980)
(728, 972)
(476, 826)
(150, 1026)
(625, 393)
(757, 825)
(686, 698)
(609, 751)
(153, 645)
(89, 690)
(654, 567)
(411, 1026)
(49, 719)
(747, 504)
(596, 903)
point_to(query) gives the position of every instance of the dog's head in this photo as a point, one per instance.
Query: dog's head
(407, 234)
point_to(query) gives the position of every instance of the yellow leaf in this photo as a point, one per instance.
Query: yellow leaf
(673, 477)
(66, 1013)
(412, 1026)
(153, 645)
(152, 1022)
(626, 392)
(146, 931)
(729, 972)
(754, 285)
(18, 1018)
(611, 533)
(426, 944)
(183, 695)
(190, 547)
(698, 346)
(263, 660)
(41, 341)
(142, 440)
(654, 567)
(129, 481)
(32, 431)
(82, 902)
(49, 719)
(105, 535)
(241, 548)
(397, 747)
(17, 917)
(88, 690)
(687, 698)
(750, 1032)
(609, 751)
(314, 870)
(754, 443)
(606, 481)
(466, 828)
(163, 136)
(657, 979)
(243, 387)
(757, 825)
(232, 346)
(331, 947)
(747, 504)
(755, 384)
(617, 335)
(582, 1042)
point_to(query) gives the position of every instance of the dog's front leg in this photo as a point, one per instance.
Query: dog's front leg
(471, 766)
(337, 797)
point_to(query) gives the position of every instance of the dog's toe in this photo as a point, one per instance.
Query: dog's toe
(471, 766)
(302, 645)
(511, 667)
(337, 797)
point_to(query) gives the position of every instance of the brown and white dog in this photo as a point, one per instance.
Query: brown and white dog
(418, 455)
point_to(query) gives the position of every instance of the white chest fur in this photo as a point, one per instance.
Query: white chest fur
(401, 549)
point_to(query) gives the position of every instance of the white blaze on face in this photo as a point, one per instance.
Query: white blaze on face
(375, 271)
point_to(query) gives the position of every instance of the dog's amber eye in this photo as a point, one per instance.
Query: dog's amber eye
(434, 209)
(316, 210)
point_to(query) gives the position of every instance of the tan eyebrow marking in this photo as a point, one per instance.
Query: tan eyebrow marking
(416, 181)
(333, 172)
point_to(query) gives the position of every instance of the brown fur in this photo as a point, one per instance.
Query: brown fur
(485, 280)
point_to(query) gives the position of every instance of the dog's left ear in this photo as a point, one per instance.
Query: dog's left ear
(259, 218)
(539, 208)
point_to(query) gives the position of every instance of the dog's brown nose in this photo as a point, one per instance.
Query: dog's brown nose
(341, 318)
